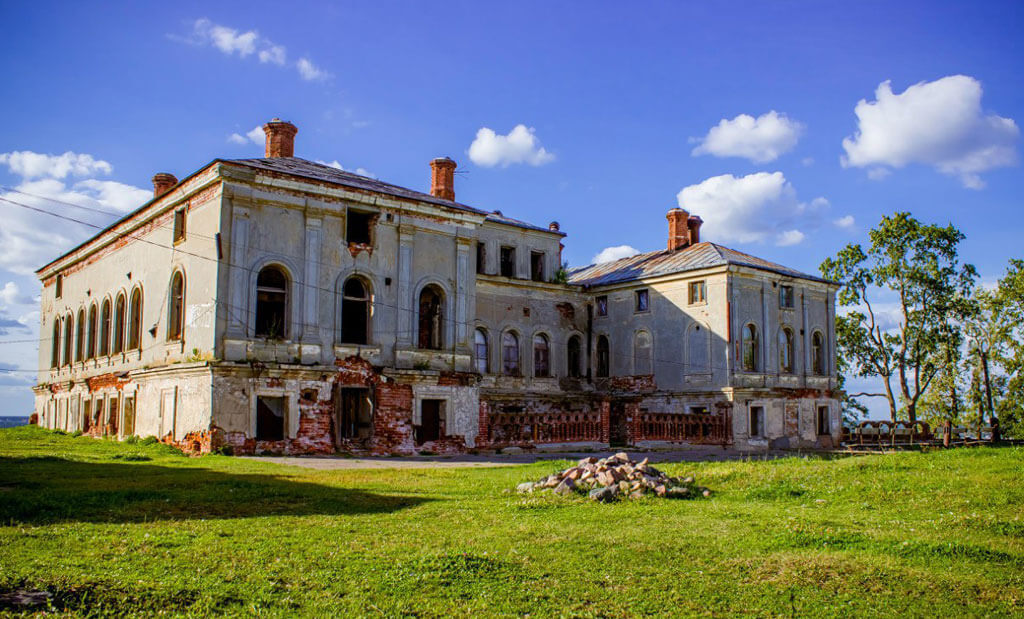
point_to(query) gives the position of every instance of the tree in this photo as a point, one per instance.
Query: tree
(1008, 305)
(919, 265)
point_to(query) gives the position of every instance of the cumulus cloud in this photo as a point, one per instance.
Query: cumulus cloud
(609, 254)
(336, 165)
(234, 42)
(275, 54)
(28, 164)
(760, 139)
(940, 124)
(752, 209)
(844, 222)
(310, 72)
(256, 135)
(521, 145)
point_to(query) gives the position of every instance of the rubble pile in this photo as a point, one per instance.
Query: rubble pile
(616, 476)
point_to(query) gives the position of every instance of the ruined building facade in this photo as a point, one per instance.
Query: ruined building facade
(280, 305)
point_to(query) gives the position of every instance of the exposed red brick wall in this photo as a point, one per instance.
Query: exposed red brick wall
(635, 383)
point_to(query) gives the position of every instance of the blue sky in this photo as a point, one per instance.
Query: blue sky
(617, 95)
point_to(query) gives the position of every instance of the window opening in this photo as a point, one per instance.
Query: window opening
(509, 354)
(270, 418)
(271, 303)
(355, 312)
(431, 315)
(541, 356)
(508, 261)
(537, 266)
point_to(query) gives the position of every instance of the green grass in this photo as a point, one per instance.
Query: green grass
(112, 528)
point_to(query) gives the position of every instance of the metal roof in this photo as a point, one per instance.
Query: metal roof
(664, 262)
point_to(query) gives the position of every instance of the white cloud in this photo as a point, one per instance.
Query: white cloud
(236, 138)
(608, 254)
(28, 164)
(256, 135)
(938, 123)
(275, 54)
(760, 139)
(519, 146)
(234, 42)
(10, 294)
(227, 40)
(336, 165)
(846, 221)
(309, 71)
(113, 194)
(752, 208)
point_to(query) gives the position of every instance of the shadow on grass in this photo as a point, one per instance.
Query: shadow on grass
(47, 489)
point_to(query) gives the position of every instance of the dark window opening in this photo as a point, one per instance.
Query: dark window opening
(602, 305)
(179, 225)
(135, 320)
(90, 348)
(698, 410)
(481, 257)
(86, 415)
(818, 353)
(509, 354)
(480, 351)
(785, 296)
(80, 336)
(508, 261)
(431, 316)
(432, 421)
(698, 292)
(176, 313)
(358, 227)
(269, 418)
(55, 345)
(786, 350)
(271, 303)
(750, 348)
(756, 421)
(58, 287)
(603, 357)
(541, 356)
(537, 266)
(824, 421)
(119, 309)
(69, 330)
(355, 313)
(573, 357)
(355, 413)
(642, 300)
(105, 328)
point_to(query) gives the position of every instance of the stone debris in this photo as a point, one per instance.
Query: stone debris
(614, 477)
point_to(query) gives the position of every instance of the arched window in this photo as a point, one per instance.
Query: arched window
(105, 328)
(750, 348)
(135, 320)
(69, 331)
(603, 356)
(786, 350)
(431, 317)
(355, 312)
(480, 351)
(55, 345)
(572, 357)
(541, 356)
(176, 307)
(509, 354)
(80, 336)
(272, 303)
(119, 310)
(642, 353)
(91, 345)
(818, 353)
(698, 349)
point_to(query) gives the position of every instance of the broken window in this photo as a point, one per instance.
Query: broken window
(756, 421)
(698, 292)
(642, 300)
(786, 350)
(573, 357)
(135, 320)
(270, 418)
(90, 351)
(176, 307)
(105, 328)
(642, 353)
(750, 348)
(481, 257)
(358, 227)
(58, 287)
(541, 356)
(355, 312)
(537, 266)
(55, 345)
(355, 413)
(80, 336)
(824, 421)
(509, 354)
(603, 356)
(179, 225)
(119, 308)
(785, 296)
(480, 351)
(508, 261)
(69, 330)
(602, 305)
(271, 303)
(432, 421)
(431, 315)
(818, 353)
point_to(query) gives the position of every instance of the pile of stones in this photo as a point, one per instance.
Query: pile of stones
(613, 477)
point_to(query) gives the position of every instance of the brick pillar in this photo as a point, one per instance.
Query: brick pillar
(442, 178)
(280, 138)
(678, 229)
(483, 433)
(606, 421)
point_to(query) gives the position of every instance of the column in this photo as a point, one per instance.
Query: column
(406, 234)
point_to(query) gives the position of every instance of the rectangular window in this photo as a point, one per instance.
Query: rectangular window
(756, 421)
(129, 416)
(270, 418)
(537, 266)
(602, 305)
(481, 258)
(355, 413)
(358, 226)
(508, 261)
(642, 301)
(179, 225)
(698, 410)
(698, 292)
(785, 296)
(824, 421)
(59, 286)
(432, 421)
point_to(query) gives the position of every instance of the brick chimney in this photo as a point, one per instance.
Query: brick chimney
(442, 178)
(678, 229)
(162, 183)
(693, 225)
(280, 138)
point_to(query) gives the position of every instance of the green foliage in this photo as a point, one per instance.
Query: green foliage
(562, 274)
(908, 534)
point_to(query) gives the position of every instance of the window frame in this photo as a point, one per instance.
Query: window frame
(511, 365)
(753, 343)
(817, 353)
(787, 296)
(755, 423)
(368, 221)
(507, 258)
(537, 266)
(698, 286)
(348, 301)
(285, 300)
(481, 358)
(604, 358)
(643, 307)
(176, 308)
(541, 345)
(180, 225)
(824, 422)
(787, 350)
(601, 305)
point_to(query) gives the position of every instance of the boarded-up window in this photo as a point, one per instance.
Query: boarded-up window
(509, 354)
(603, 356)
(271, 303)
(541, 356)
(698, 349)
(573, 357)
(431, 315)
(355, 312)
(270, 418)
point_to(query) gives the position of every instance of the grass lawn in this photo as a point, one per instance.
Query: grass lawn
(111, 528)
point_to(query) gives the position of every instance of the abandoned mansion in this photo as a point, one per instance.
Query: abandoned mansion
(281, 305)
